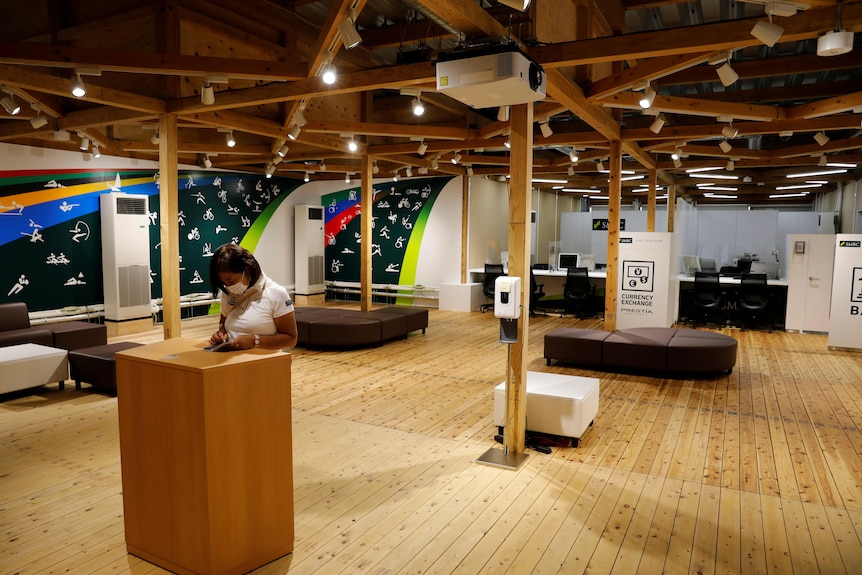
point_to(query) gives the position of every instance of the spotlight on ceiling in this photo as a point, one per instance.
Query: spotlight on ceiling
(725, 146)
(456, 158)
(423, 147)
(648, 98)
(767, 32)
(677, 163)
(503, 114)
(729, 131)
(96, 153)
(207, 163)
(294, 132)
(600, 167)
(657, 124)
(418, 108)
(821, 138)
(306, 177)
(375, 169)
(282, 151)
(10, 105)
(38, 120)
(347, 28)
(726, 74)
(229, 139)
(469, 170)
(573, 156)
(328, 75)
(823, 160)
(434, 163)
(731, 165)
(545, 128)
(207, 95)
(347, 178)
(409, 172)
(77, 86)
(85, 143)
(154, 139)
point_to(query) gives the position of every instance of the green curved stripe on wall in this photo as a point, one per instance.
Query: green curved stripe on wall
(414, 246)
(251, 238)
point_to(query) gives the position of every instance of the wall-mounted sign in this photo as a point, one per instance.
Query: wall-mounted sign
(602, 224)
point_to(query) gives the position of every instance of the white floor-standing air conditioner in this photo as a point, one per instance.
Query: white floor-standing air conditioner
(125, 256)
(309, 249)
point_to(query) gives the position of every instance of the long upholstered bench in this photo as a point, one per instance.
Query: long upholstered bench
(335, 327)
(652, 349)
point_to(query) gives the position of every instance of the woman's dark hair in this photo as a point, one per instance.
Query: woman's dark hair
(233, 259)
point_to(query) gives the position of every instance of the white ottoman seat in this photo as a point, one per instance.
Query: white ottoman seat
(31, 365)
(558, 404)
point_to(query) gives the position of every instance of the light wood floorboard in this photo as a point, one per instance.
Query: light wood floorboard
(757, 471)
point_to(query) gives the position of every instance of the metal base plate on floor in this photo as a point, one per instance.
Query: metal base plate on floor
(499, 458)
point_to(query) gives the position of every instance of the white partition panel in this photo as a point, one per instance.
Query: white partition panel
(845, 321)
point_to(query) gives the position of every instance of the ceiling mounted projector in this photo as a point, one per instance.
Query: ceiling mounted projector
(490, 77)
(835, 43)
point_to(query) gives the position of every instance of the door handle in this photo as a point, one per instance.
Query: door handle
(812, 278)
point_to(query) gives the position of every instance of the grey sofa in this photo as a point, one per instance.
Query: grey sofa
(335, 327)
(651, 349)
(15, 328)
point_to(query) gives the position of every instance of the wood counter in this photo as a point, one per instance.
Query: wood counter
(206, 456)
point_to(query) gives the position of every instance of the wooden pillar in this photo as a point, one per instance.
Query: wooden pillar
(650, 218)
(614, 202)
(367, 205)
(671, 206)
(465, 228)
(169, 225)
(520, 199)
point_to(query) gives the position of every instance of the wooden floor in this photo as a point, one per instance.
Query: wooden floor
(756, 472)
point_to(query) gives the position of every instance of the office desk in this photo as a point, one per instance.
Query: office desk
(729, 312)
(552, 280)
(206, 456)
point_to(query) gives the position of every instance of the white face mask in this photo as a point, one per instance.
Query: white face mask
(238, 288)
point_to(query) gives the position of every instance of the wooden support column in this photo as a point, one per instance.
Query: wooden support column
(614, 202)
(671, 206)
(169, 225)
(465, 228)
(650, 218)
(367, 203)
(520, 199)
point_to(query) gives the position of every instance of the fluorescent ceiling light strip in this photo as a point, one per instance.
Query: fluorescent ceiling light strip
(578, 190)
(621, 171)
(819, 173)
(714, 176)
(697, 170)
(798, 187)
(799, 195)
(720, 189)
(549, 181)
(720, 196)
(838, 165)
(597, 197)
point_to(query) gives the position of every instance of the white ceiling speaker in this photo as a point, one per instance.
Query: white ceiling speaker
(835, 43)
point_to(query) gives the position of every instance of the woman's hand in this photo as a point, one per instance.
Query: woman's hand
(218, 337)
(243, 342)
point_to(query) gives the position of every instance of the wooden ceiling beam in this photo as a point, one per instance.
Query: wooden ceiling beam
(765, 68)
(836, 105)
(700, 131)
(28, 79)
(55, 56)
(648, 70)
(727, 35)
(393, 130)
(694, 107)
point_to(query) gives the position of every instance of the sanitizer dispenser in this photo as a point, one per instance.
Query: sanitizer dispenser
(507, 297)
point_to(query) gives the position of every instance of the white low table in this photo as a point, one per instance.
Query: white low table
(31, 365)
(557, 404)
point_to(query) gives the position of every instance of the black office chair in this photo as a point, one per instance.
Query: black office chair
(706, 295)
(492, 272)
(537, 291)
(578, 293)
(753, 299)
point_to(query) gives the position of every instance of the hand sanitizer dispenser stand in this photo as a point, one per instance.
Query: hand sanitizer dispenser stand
(507, 307)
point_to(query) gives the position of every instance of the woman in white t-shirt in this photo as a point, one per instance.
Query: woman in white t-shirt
(255, 311)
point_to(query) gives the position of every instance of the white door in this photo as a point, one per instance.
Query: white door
(818, 294)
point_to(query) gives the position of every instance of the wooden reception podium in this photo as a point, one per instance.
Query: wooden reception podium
(206, 456)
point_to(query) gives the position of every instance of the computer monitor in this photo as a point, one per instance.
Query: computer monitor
(691, 264)
(708, 265)
(768, 268)
(568, 260)
(587, 261)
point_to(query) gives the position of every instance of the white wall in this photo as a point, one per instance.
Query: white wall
(488, 222)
